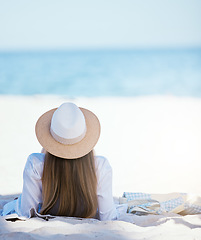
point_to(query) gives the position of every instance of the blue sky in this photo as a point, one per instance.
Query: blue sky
(75, 24)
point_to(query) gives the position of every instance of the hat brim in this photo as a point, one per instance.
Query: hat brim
(73, 151)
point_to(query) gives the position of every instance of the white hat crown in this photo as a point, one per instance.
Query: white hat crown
(68, 125)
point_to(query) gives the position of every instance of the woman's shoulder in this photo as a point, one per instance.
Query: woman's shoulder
(34, 164)
(102, 164)
(36, 157)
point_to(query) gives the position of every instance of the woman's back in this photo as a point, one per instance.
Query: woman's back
(71, 185)
(31, 197)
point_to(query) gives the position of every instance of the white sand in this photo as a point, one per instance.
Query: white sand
(153, 144)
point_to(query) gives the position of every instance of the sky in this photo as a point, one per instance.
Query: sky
(81, 24)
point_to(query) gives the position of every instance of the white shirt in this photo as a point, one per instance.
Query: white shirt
(31, 195)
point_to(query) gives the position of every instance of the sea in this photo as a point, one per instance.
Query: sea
(102, 73)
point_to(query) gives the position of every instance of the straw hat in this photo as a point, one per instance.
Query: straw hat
(68, 131)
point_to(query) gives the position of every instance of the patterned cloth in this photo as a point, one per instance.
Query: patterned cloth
(143, 203)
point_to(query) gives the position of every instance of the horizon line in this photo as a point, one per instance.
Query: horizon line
(94, 49)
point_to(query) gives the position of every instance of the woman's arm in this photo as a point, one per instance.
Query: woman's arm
(107, 210)
(32, 186)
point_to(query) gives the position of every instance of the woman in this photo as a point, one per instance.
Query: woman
(66, 180)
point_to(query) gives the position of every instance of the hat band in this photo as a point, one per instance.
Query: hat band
(67, 141)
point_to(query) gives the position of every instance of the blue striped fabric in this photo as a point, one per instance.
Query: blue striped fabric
(165, 206)
(134, 196)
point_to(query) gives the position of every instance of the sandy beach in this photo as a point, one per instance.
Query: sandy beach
(152, 143)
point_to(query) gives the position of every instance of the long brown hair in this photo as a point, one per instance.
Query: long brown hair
(69, 186)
